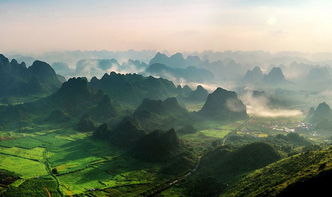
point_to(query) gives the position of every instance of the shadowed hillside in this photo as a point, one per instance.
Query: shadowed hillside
(18, 80)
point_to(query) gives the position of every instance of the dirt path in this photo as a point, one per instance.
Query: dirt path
(236, 129)
(49, 170)
(48, 192)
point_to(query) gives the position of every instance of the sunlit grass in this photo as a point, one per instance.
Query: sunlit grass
(26, 168)
(215, 133)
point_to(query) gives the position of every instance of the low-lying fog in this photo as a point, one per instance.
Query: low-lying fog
(258, 106)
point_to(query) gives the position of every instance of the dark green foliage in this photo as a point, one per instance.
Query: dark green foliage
(311, 186)
(166, 107)
(74, 99)
(157, 146)
(181, 163)
(74, 95)
(104, 109)
(55, 171)
(133, 88)
(186, 129)
(86, 124)
(18, 80)
(157, 114)
(7, 178)
(225, 163)
(223, 105)
(37, 187)
(294, 139)
(57, 116)
(102, 131)
(205, 187)
(126, 133)
(308, 172)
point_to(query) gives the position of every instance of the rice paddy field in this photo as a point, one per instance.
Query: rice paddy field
(82, 163)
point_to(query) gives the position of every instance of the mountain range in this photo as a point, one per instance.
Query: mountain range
(16, 79)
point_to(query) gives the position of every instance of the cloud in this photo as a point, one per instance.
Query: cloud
(258, 106)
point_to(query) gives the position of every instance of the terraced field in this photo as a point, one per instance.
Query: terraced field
(82, 164)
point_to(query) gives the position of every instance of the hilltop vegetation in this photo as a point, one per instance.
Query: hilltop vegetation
(223, 105)
(287, 176)
(18, 80)
(133, 88)
(225, 165)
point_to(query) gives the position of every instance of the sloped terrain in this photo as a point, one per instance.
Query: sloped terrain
(287, 176)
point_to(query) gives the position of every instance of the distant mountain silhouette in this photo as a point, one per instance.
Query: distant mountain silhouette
(198, 95)
(317, 78)
(176, 61)
(254, 76)
(319, 73)
(18, 80)
(191, 74)
(223, 104)
(176, 66)
(323, 110)
(321, 117)
(275, 76)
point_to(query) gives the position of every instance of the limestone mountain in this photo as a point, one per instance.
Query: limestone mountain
(275, 76)
(191, 74)
(157, 146)
(126, 133)
(72, 101)
(57, 116)
(226, 164)
(230, 163)
(168, 106)
(198, 95)
(176, 61)
(158, 114)
(133, 88)
(321, 117)
(18, 80)
(85, 124)
(223, 105)
(254, 76)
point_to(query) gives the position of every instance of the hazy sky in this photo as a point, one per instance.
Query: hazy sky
(174, 25)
